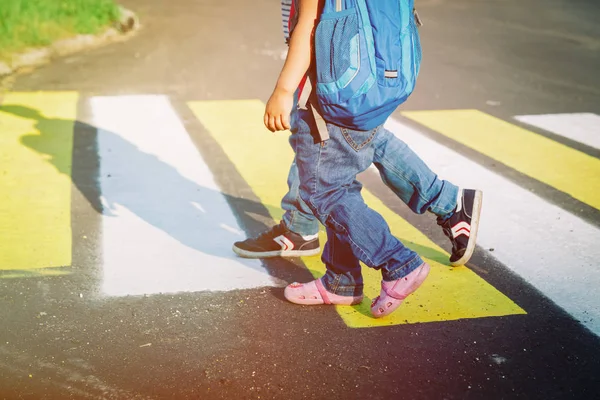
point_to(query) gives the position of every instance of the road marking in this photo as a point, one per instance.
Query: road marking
(555, 164)
(34, 273)
(581, 127)
(163, 228)
(36, 144)
(263, 161)
(553, 250)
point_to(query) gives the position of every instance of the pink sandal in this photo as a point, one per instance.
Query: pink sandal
(314, 293)
(393, 293)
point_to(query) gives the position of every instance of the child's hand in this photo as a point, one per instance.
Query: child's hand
(278, 110)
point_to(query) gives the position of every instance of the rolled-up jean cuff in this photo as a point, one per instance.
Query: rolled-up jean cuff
(354, 290)
(404, 270)
(300, 225)
(446, 201)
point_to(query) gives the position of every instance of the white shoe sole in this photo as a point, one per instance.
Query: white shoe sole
(277, 253)
(477, 200)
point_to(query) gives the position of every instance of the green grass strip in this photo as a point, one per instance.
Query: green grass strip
(36, 23)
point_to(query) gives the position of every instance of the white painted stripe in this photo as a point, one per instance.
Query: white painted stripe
(581, 127)
(166, 226)
(549, 247)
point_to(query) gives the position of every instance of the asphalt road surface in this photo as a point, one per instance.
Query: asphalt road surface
(127, 172)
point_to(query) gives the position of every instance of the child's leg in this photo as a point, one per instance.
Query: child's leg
(411, 179)
(343, 275)
(298, 217)
(413, 182)
(296, 235)
(342, 283)
(403, 172)
(328, 185)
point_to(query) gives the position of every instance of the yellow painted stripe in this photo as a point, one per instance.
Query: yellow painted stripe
(36, 143)
(263, 159)
(555, 164)
(34, 273)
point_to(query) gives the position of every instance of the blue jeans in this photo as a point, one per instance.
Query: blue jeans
(400, 169)
(328, 186)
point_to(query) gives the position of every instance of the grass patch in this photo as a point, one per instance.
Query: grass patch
(36, 23)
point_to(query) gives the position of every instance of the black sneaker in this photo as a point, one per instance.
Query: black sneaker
(278, 242)
(461, 228)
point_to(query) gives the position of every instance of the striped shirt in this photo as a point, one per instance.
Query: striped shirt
(286, 11)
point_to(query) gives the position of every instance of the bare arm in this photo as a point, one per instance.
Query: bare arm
(279, 106)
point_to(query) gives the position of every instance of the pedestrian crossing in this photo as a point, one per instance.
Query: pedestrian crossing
(444, 291)
(552, 249)
(36, 138)
(580, 127)
(167, 227)
(534, 155)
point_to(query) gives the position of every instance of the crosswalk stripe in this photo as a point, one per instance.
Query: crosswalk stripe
(35, 273)
(553, 250)
(36, 143)
(263, 160)
(555, 164)
(581, 127)
(166, 227)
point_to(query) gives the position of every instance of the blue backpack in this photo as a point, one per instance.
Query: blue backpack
(367, 59)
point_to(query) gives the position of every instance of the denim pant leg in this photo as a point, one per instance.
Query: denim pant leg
(329, 187)
(343, 275)
(411, 179)
(298, 217)
(400, 169)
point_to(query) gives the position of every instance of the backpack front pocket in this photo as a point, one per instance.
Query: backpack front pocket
(337, 52)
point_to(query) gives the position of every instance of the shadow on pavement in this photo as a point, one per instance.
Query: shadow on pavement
(153, 190)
